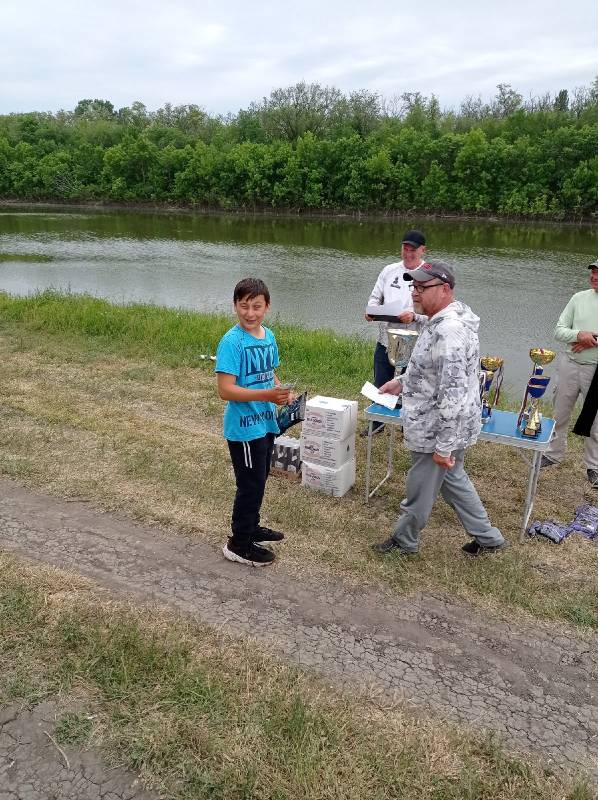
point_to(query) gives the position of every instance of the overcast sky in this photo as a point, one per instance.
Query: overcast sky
(222, 55)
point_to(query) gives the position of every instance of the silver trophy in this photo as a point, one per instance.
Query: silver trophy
(400, 346)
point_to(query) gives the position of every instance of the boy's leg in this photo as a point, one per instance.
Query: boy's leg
(250, 463)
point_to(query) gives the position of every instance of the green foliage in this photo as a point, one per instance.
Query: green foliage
(311, 147)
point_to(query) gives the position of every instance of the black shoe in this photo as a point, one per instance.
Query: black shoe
(474, 548)
(252, 555)
(546, 462)
(593, 478)
(265, 535)
(375, 430)
(390, 546)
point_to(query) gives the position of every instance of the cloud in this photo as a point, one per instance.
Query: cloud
(222, 55)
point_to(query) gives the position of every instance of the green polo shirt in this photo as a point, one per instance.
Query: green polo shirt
(580, 314)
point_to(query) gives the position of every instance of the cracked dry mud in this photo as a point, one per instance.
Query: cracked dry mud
(34, 767)
(535, 685)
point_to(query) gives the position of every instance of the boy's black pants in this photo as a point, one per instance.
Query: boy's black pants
(251, 463)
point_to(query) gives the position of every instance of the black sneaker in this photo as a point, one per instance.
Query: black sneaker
(474, 548)
(265, 535)
(593, 478)
(252, 555)
(546, 462)
(390, 545)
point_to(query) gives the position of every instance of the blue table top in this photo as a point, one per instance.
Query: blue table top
(501, 427)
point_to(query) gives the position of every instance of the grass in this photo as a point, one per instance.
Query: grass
(27, 257)
(199, 715)
(112, 404)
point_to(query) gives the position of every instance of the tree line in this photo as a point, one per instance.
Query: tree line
(309, 147)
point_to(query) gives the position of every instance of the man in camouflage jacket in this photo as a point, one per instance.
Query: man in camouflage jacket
(441, 415)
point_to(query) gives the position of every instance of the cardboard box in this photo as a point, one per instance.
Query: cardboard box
(328, 452)
(330, 417)
(286, 454)
(336, 482)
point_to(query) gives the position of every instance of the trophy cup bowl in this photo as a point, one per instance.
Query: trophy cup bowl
(540, 356)
(491, 368)
(530, 418)
(400, 346)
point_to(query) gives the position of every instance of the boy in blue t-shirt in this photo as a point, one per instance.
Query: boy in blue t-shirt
(245, 362)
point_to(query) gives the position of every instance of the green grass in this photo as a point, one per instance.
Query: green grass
(202, 716)
(322, 359)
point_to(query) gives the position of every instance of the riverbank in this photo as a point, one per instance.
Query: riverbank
(114, 404)
(313, 214)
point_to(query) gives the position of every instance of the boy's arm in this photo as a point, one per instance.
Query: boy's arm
(228, 390)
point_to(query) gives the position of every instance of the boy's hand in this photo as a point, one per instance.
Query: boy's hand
(278, 395)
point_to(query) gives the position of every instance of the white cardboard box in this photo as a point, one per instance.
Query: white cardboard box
(330, 417)
(327, 452)
(286, 454)
(332, 481)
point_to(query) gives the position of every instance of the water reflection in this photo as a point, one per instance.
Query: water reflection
(320, 271)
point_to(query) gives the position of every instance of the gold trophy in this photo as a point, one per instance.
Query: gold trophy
(490, 377)
(530, 418)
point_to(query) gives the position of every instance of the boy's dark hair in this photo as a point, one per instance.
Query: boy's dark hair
(250, 288)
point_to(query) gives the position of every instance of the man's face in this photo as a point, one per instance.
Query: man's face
(429, 296)
(594, 278)
(412, 256)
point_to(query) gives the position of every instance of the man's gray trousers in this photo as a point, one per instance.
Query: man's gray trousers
(424, 481)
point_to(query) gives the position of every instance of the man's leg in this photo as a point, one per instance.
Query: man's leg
(565, 396)
(422, 485)
(586, 373)
(460, 493)
(383, 372)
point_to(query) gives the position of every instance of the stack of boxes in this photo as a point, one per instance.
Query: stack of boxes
(328, 445)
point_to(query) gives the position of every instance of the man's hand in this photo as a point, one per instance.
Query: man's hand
(406, 317)
(448, 462)
(585, 339)
(278, 395)
(369, 319)
(392, 387)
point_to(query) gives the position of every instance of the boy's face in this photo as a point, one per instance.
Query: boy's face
(251, 312)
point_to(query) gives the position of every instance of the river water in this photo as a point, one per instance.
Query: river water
(320, 272)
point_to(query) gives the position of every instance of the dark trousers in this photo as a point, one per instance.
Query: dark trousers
(383, 369)
(251, 463)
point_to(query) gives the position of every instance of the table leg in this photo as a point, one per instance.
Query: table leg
(389, 462)
(532, 484)
(368, 462)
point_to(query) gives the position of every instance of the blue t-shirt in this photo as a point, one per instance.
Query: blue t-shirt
(252, 361)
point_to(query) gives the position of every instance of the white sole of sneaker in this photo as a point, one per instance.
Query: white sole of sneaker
(230, 556)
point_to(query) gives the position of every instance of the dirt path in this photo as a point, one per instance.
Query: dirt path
(532, 684)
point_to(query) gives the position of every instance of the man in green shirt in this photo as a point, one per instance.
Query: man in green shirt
(578, 328)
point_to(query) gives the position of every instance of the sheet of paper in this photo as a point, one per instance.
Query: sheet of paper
(387, 400)
(387, 311)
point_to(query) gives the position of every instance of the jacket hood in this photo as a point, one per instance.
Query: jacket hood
(457, 311)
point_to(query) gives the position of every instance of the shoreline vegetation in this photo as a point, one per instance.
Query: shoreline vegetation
(310, 149)
(113, 405)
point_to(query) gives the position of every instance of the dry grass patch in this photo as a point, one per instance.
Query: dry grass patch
(145, 438)
(199, 714)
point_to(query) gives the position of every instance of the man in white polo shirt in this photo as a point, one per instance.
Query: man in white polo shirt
(578, 328)
(391, 288)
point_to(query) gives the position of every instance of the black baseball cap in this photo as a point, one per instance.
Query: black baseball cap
(432, 269)
(414, 238)
(593, 265)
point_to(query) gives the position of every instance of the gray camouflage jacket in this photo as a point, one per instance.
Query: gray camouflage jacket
(441, 397)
